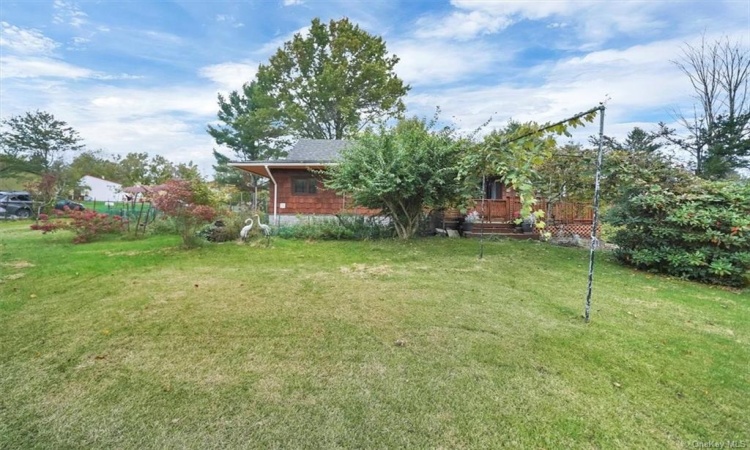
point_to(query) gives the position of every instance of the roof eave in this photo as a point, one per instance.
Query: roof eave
(262, 167)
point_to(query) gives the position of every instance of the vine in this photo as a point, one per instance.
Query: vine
(515, 154)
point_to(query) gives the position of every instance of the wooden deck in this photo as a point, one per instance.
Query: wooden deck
(497, 229)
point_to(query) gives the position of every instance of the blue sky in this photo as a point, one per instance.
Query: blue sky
(143, 75)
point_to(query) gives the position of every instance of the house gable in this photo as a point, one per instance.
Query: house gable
(310, 154)
(295, 186)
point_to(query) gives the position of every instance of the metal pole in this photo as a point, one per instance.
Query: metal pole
(481, 231)
(595, 221)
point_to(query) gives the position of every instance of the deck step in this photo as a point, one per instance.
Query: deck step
(474, 234)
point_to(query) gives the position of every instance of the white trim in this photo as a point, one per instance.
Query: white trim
(275, 194)
(281, 164)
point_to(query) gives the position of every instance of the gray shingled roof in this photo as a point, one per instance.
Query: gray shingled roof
(316, 150)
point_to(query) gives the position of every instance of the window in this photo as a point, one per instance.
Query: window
(304, 186)
(493, 189)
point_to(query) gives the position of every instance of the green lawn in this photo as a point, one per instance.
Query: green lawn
(132, 344)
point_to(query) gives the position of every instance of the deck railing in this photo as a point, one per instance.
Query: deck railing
(507, 210)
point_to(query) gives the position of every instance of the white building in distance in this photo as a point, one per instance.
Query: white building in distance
(93, 188)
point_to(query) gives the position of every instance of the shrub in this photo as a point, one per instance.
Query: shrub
(228, 225)
(87, 225)
(343, 227)
(226, 228)
(235, 221)
(186, 203)
(162, 225)
(701, 232)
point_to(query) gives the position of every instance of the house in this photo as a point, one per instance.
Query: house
(295, 187)
(98, 189)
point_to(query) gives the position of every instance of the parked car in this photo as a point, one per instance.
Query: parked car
(16, 203)
(61, 204)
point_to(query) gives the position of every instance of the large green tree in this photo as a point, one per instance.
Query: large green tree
(637, 140)
(332, 81)
(35, 142)
(139, 168)
(95, 163)
(135, 168)
(728, 147)
(225, 175)
(401, 171)
(249, 127)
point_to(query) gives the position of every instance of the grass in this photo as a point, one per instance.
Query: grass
(131, 344)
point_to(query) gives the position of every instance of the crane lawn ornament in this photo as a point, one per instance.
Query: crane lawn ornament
(245, 231)
(265, 228)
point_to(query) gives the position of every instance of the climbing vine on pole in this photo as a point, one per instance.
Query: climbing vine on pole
(515, 154)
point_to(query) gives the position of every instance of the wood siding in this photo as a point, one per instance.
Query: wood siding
(323, 202)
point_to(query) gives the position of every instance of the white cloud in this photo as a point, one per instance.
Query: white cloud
(230, 20)
(80, 40)
(436, 62)
(167, 38)
(640, 80)
(271, 46)
(292, 2)
(476, 18)
(230, 75)
(593, 21)
(168, 136)
(25, 41)
(165, 120)
(69, 12)
(461, 25)
(45, 67)
(14, 67)
(106, 101)
(160, 121)
(528, 9)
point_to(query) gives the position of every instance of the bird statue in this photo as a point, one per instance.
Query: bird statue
(265, 228)
(246, 229)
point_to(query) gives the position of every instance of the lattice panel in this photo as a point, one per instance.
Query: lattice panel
(568, 230)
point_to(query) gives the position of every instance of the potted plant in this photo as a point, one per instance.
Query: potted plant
(470, 220)
(528, 223)
(518, 223)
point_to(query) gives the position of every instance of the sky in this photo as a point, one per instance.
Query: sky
(143, 76)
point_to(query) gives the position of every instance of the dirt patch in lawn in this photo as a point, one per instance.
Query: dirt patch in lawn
(364, 270)
(18, 264)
